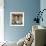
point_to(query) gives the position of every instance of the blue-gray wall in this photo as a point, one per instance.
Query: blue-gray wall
(29, 7)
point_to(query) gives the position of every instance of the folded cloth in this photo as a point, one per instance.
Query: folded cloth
(20, 42)
(26, 41)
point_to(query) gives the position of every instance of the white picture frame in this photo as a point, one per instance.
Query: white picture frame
(16, 18)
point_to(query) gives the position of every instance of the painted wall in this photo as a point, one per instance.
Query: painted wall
(29, 7)
(1, 21)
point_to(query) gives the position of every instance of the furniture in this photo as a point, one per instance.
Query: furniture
(39, 35)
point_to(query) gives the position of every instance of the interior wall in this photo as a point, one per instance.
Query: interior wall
(1, 20)
(29, 7)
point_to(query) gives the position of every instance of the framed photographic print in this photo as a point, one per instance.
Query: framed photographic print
(16, 18)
